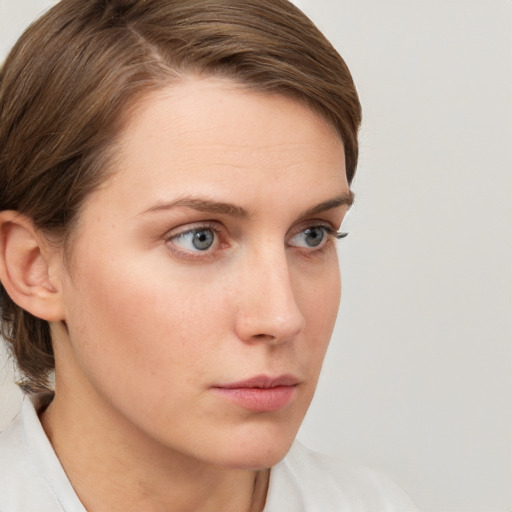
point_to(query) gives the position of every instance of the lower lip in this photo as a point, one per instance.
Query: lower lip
(259, 399)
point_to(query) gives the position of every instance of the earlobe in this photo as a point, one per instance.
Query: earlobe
(24, 268)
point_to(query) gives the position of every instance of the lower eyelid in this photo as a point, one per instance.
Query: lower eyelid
(198, 255)
(331, 235)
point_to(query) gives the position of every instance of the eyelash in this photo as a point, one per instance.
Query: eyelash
(338, 235)
(331, 233)
(332, 236)
(193, 254)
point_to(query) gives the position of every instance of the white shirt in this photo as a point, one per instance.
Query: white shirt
(33, 480)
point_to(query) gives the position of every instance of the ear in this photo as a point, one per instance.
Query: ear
(25, 270)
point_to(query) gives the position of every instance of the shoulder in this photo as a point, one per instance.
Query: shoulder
(28, 464)
(306, 480)
(17, 474)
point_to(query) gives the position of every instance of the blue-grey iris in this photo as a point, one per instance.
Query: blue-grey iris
(203, 239)
(314, 236)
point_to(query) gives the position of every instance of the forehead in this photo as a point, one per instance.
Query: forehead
(211, 136)
(245, 115)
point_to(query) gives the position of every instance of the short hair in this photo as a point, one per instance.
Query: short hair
(67, 87)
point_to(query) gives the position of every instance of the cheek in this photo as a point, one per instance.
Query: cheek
(318, 295)
(129, 325)
(135, 321)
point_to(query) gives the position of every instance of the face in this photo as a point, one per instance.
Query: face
(204, 284)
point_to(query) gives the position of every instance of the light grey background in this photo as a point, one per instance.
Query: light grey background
(418, 379)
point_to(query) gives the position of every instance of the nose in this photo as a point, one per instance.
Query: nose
(267, 303)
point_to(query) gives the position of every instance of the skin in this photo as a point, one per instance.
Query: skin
(149, 323)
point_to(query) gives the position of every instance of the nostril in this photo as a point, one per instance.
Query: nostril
(264, 337)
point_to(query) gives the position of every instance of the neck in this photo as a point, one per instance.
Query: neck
(114, 467)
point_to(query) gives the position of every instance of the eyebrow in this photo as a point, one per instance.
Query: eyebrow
(202, 205)
(208, 206)
(345, 199)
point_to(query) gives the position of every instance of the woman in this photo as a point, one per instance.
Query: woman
(173, 176)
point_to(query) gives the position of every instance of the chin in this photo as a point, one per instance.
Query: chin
(260, 458)
(259, 449)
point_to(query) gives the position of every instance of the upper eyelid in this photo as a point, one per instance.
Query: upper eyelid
(175, 233)
(188, 254)
(330, 230)
(218, 227)
(187, 228)
(303, 225)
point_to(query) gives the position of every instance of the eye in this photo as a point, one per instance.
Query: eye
(315, 237)
(200, 239)
(311, 237)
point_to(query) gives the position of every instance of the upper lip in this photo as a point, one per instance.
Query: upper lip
(262, 381)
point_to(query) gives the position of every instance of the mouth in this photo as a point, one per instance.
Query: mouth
(260, 393)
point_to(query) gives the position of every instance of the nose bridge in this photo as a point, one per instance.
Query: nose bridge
(268, 307)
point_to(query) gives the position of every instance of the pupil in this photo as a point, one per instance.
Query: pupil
(203, 239)
(314, 236)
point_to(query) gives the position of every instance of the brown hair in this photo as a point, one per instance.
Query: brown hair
(69, 82)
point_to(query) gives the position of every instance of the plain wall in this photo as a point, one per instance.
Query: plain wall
(418, 378)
